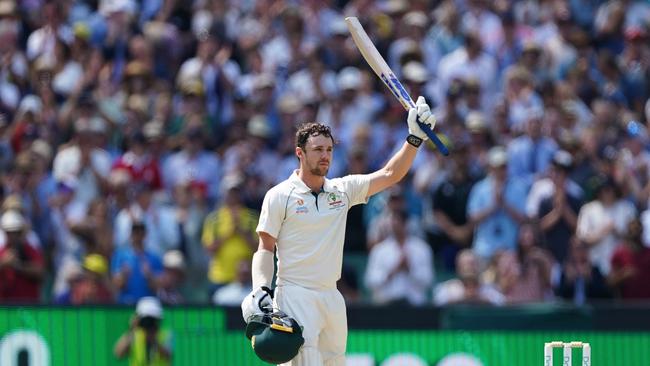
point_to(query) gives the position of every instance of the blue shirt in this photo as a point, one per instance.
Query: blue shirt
(499, 230)
(136, 285)
(528, 159)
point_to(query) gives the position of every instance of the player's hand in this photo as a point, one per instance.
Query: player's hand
(421, 113)
(258, 301)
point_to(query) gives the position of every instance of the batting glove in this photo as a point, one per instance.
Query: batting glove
(258, 301)
(421, 113)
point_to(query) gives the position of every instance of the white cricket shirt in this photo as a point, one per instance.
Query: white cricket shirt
(309, 229)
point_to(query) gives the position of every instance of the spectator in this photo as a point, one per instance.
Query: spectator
(524, 275)
(134, 268)
(163, 232)
(84, 162)
(580, 280)
(90, 285)
(496, 207)
(559, 201)
(468, 287)
(229, 234)
(601, 223)
(630, 273)
(234, 293)
(400, 268)
(380, 226)
(170, 280)
(531, 153)
(190, 210)
(146, 342)
(193, 164)
(450, 209)
(22, 266)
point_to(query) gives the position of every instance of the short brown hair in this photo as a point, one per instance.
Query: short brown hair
(311, 129)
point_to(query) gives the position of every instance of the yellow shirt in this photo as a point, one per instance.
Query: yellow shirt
(220, 225)
(138, 356)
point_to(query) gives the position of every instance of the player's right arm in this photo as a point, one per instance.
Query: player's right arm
(262, 267)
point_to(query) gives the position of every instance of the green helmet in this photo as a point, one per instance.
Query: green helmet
(275, 337)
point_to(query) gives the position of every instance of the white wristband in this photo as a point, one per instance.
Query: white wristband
(262, 268)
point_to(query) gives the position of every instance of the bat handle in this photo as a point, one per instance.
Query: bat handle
(441, 147)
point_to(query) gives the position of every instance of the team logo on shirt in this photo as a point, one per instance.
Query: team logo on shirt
(334, 200)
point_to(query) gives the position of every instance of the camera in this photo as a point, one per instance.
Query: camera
(148, 323)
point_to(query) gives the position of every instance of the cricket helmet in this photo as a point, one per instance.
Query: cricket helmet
(276, 337)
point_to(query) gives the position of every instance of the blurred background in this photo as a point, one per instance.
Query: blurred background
(138, 138)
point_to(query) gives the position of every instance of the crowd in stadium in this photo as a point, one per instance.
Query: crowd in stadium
(138, 138)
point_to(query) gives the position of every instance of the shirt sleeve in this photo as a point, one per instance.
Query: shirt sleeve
(272, 214)
(355, 187)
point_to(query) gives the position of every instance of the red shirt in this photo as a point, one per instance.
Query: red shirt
(143, 169)
(635, 287)
(15, 286)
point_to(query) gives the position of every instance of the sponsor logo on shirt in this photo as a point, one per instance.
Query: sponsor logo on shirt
(301, 209)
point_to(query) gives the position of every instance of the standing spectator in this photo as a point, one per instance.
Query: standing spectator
(139, 162)
(21, 265)
(450, 209)
(531, 153)
(400, 268)
(229, 234)
(146, 343)
(467, 288)
(190, 212)
(630, 273)
(581, 280)
(601, 223)
(559, 200)
(134, 268)
(496, 207)
(82, 160)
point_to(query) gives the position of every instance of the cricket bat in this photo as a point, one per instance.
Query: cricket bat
(380, 67)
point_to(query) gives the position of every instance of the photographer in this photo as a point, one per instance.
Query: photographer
(145, 343)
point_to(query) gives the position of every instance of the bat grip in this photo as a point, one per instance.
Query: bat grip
(441, 147)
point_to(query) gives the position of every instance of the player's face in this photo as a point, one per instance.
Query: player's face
(317, 155)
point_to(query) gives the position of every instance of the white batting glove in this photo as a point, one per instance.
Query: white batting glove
(421, 112)
(258, 301)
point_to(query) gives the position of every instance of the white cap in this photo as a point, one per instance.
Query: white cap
(349, 78)
(173, 259)
(475, 121)
(415, 71)
(416, 18)
(30, 103)
(497, 156)
(258, 126)
(12, 221)
(149, 306)
(338, 27)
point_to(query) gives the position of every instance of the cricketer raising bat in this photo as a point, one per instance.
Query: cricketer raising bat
(380, 67)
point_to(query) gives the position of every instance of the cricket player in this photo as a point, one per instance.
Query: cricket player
(304, 217)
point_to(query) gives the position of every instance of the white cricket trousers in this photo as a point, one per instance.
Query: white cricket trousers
(322, 315)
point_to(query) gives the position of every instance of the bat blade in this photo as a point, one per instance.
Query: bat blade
(383, 71)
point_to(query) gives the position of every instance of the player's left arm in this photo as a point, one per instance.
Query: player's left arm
(400, 163)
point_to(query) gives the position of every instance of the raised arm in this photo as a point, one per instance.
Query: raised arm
(400, 163)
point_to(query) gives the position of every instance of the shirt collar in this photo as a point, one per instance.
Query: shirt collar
(301, 187)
